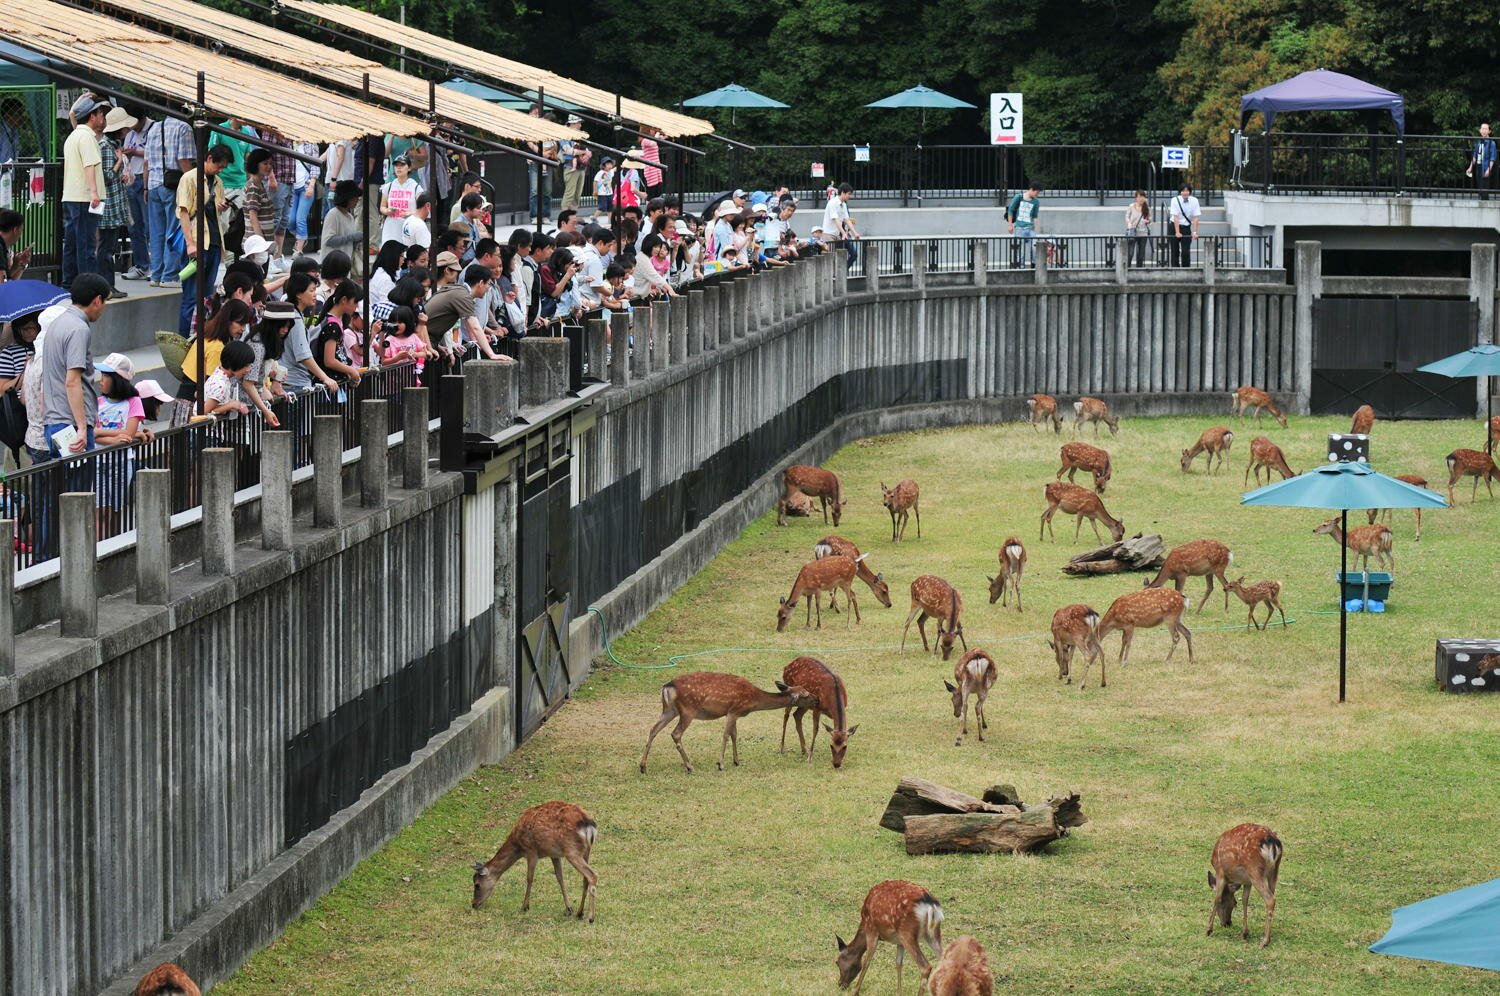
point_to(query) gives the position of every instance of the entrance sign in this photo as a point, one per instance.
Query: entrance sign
(1005, 119)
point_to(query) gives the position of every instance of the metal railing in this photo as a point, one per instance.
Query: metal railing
(894, 256)
(1319, 163)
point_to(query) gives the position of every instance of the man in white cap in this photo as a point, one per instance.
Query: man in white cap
(83, 190)
(575, 160)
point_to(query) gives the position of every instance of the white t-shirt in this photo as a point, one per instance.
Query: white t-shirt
(834, 217)
(1184, 211)
(590, 276)
(416, 232)
(401, 198)
(341, 169)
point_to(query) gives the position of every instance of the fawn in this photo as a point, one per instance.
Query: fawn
(1081, 502)
(1266, 455)
(1364, 419)
(711, 695)
(1489, 446)
(1215, 442)
(963, 970)
(1082, 456)
(1245, 856)
(166, 979)
(933, 597)
(1012, 565)
(1246, 398)
(1365, 541)
(901, 502)
(1204, 558)
(828, 574)
(799, 505)
(897, 912)
(1093, 410)
(814, 482)
(1076, 627)
(1042, 408)
(1145, 608)
(827, 689)
(556, 830)
(975, 673)
(1471, 463)
(1262, 592)
(830, 546)
(1416, 480)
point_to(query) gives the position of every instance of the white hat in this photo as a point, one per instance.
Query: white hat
(682, 227)
(725, 209)
(118, 118)
(254, 244)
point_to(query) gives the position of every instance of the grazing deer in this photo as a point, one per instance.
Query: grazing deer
(711, 695)
(1042, 408)
(832, 699)
(828, 574)
(975, 673)
(1246, 398)
(897, 912)
(935, 598)
(1082, 456)
(1489, 446)
(1486, 664)
(1471, 463)
(1076, 627)
(1204, 558)
(1262, 592)
(1081, 502)
(1266, 455)
(166, 979)
(1245, 856)
(1385, 514)
(1365, 541)
(1215, 442)
(831, 546)
(556, 830)
(799, 505)
(963, 970)
(1093, 410)
(901, 502)
(814, 482)
(1144, 609)
(1012, 565)
(1364, 419)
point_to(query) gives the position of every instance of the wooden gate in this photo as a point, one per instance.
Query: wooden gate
(544, 577)
(1366, 350)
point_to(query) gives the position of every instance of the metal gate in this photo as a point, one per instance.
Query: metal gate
(1366, 350)
(544, 577)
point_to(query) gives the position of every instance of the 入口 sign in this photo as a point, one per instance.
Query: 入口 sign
(1005, 119)
(1175, 157)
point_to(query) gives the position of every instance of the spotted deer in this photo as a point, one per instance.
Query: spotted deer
(1247, 398)
(1364, 420)
(975, 673)
(897, 912)
(166, 979)
(1093, 410)
(1082, 456)
(1387, 515)
(1215, 442)
(1043, 408)
(1266, 455)
(902, 501)
(1486, 664)
(1244, 857)
(1471, 463)
(557, 830)
(1365, 541)
(932, 597)
(828, 574)
(832, 700)
(831, 546)
(1012, 566)
(1076, 627)
(963, 970)
(712, 695)
(1082, 502)
(799, 505)
(1203, 558)
(814, 482)
(1144, 609)
(1489, 446)
(1267, 593)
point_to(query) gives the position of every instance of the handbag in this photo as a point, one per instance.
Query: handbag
(170, 177)
(12, 421)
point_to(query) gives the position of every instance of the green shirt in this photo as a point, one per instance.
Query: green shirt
(1023, 212)
(233, 174)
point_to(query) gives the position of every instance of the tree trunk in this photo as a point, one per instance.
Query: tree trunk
(1138, 553)
(919, 797)
(982, 833)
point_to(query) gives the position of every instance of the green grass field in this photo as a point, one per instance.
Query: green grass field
(736, 881)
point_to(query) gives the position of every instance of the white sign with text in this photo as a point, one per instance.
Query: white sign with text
(1005, 119)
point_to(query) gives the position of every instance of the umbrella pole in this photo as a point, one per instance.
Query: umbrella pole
(922, 127)
(1489, 413)
(1343, 607)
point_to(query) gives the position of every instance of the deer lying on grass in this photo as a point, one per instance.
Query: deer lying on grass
(897, 912)
(832, 699)
(1012, 566)
(1145, 608)
(1266, 455)
(556, 830)
(901, 502)
(828, 574)
(1043, 408)
(798, 505)
(1215, 442)
(975, 673)
(1076, 627)
(1081, 502)
(1267, 593)
(837, 546)
(711, 695)
(1365, 541)
(1093, 410)
(963, 970)
(1471, 463)
(1082, 456)
(935, 598)
(813, 482)
(1364, 420)
(1245, 856)
(1203, 558)
(1386, 515)
(166, 979)
(1247, 398)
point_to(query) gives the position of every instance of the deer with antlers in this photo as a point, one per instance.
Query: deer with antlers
(897, 912)
(963, 970)
(975, 673)
(1215, 442)
(932, 597)
(1267, 593)
(1244, 857)
(827, 689)
(1012, 566)
(166, 979)
(1082, 456)
(1204, 558)
(1043, 408)
(1082, 502)
(1266, 455)
(1076, 627)
(1144, 609)
(901, 502)
(1254, 399)
(829, 574)
(813, 482)
(557, 830)
(1086, 410)
(837, 546)
(1364, 420)
(1471, 463)
(712, 695)
(1365, 541)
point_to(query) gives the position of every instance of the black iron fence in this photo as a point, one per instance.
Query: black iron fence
(1314, 163)
(892, 256)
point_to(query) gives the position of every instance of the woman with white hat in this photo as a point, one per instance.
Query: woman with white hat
(115, 222)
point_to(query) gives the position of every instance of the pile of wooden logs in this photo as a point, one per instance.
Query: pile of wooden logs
(938, 820)
(1138, 553)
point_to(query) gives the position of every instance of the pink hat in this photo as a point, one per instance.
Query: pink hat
(151, 389)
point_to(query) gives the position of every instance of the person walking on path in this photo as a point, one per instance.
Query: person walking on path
(1022, 214)
(1184, 216)
(1482, 162)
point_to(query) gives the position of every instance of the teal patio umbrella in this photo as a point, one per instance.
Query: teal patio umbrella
(1343, 486)
(1457, 927)
(921, 97)
(734, 96)
(524, 101)
(1482, 360)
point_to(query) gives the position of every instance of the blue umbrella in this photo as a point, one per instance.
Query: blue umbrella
(1343, 486)
(1482, 360)
(922, 97)
(22, 297)
(1457, 927)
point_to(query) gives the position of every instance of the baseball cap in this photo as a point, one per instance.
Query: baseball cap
(151, 389)
(87, 105)
(574, 119)
(117, 363)
(682, 227)
(447, 260)
(738, 192)
(254, 244)
(401, 160)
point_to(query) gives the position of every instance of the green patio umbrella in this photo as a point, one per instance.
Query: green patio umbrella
(1482, 360)
(734, 96)
(921, 97)
(1343, 486)
(516, 102)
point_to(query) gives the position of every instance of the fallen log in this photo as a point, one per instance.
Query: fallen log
(1138, 553)
(919, 797)
(982, 833)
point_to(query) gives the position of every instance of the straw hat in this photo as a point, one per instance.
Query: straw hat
(118, 119)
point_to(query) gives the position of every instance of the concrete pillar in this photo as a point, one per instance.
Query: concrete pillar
(1210, 260)
(919, 265)
(1482, 289)
(328, 470)
(869, 261)
(730, 298)
(981, 262)
(840, 266)
(619, 346)
(1040, 251)
(79, 537)
(275, 490)
(7, 598)
(414, 439)
(218, 510)
(803, 298)
(677, 330)
(374, 452)
(1122, 261)
(661, 336)
(693, 315)
(640, 352)
(741, 315)
(492, 396)
(543, 370)
(1308, 278)
(153, 536)
(596, 348)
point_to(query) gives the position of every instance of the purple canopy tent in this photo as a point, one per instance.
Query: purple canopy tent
(1322, 90)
